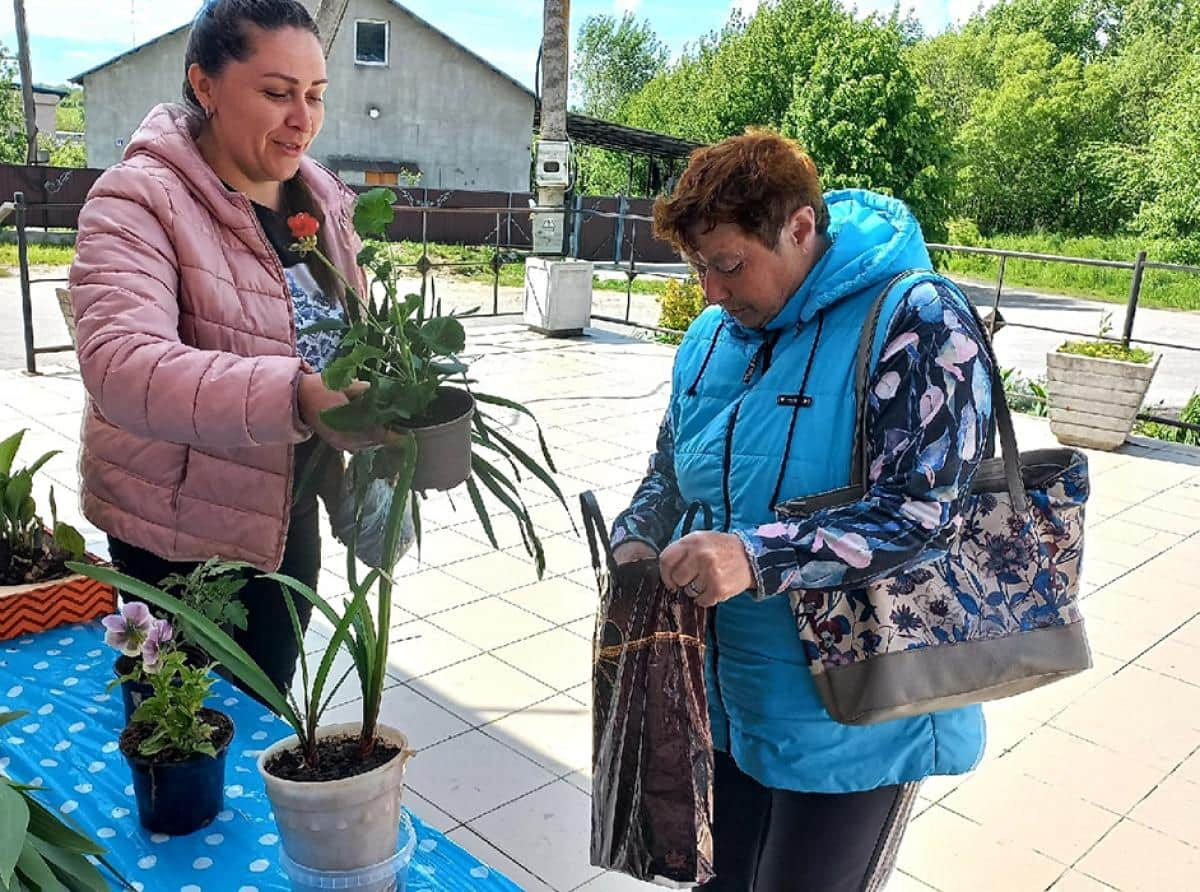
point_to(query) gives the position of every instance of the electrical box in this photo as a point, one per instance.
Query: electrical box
(548, 232)
(558, 296)
(553, 164)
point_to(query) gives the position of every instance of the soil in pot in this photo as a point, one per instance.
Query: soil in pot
(337, 759)
(45, 563)
(178, 794)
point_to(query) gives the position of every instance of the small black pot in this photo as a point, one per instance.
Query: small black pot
(178, 798)
(444, 442)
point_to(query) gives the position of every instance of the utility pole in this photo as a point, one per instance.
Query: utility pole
(329, 19)
(26, 82)
(552, 167)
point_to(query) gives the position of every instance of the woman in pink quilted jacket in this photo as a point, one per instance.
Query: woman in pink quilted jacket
(204, 401)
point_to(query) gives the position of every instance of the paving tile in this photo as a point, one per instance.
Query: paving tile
(469, 775)
(496, 572)
(489, 623)
(559, 600)
(1003, 798)
(611, 881)
(422, 721)
(550, 828)
(990, 866)
(428, 592)
(419, 648)
(428, 812)
(1173, 808)
(1073, 765)
(557, 658)
(556, 733)
(1134, 858)
(1140, 713)
(1073, 881)
(482, 689)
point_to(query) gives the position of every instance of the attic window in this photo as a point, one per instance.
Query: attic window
(371, 43)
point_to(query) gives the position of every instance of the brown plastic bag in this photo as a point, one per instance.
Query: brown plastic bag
(652, 757)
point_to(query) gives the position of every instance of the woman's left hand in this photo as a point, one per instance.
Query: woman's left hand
(708, 567)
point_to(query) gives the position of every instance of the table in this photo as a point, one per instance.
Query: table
(68, 743)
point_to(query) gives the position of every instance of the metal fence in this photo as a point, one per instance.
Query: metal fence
(607, 231)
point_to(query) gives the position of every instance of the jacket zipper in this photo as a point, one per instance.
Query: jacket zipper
(727, 522)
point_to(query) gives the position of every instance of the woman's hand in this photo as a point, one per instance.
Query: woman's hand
(315, 398)
(708, 567)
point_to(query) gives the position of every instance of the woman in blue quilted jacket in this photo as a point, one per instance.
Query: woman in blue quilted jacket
(762, 411)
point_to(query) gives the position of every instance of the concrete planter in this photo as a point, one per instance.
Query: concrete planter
(341, 824)
(1094, 402)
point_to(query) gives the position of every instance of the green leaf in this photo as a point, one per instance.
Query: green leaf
(79, 874)
(32, 868)
(532, 466)
(373, 212)
(37, 465)
(17, 492)
(14, 821)
(445, 335)
(209, 636)
(335, 325)
(356, 415)
(481, 510)
(339, 374)
(6, 717)
(503, 489)
(509, 404)
(8, 451)
(69, 539)
(48, 826)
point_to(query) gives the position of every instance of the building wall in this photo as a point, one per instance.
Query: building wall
(463, 125)
(117, 98)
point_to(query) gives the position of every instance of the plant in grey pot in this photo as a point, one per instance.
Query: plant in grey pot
(1095, 389)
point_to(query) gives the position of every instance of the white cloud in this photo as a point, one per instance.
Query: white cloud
(115, 21)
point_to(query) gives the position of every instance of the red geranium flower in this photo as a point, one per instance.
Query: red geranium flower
(303, 225)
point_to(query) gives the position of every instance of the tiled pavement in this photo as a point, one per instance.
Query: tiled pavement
(1090, 784)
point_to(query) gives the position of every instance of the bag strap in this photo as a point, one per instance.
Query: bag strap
(597, 531)
(860, 464)
(696, 508)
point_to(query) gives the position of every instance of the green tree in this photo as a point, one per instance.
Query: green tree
(613, 60)
(12, 117)
(69, 113)
(1027, 151)
(1174, 214)
(859, 111)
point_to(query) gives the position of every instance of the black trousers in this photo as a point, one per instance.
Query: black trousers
(268, 636)
(767, 840)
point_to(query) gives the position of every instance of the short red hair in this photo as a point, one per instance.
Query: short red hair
(755, 181)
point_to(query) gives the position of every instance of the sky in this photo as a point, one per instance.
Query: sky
(70, 36)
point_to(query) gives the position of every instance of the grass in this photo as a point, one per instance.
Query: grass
(1160, 288)
(39, 255)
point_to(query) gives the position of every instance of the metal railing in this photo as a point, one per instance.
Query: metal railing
(625, 233)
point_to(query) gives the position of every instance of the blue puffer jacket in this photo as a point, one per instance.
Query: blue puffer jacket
(731, 433)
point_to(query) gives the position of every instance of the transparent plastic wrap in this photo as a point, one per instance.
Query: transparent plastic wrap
(652, 756)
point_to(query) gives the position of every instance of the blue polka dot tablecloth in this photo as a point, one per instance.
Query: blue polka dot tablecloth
(68, 743)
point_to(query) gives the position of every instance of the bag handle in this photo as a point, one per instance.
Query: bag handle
(597, 531)
(696, 508)
(860, 466)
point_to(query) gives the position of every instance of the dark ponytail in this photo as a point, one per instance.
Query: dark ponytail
(219, 35)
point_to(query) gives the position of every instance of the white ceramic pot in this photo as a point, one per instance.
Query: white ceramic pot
(1094, 402)
(343, 824)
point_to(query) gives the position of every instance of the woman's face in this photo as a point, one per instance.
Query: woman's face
(751, 281)
(267, 110)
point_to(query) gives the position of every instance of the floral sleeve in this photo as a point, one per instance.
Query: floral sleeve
(657, 505)
(928, 419)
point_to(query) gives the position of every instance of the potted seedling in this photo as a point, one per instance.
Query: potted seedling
(335, 790)
(174, 744)
(1095, 389)
(37, 591)
(211, 589)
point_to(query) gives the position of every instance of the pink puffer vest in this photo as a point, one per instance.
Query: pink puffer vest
(187, 349)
